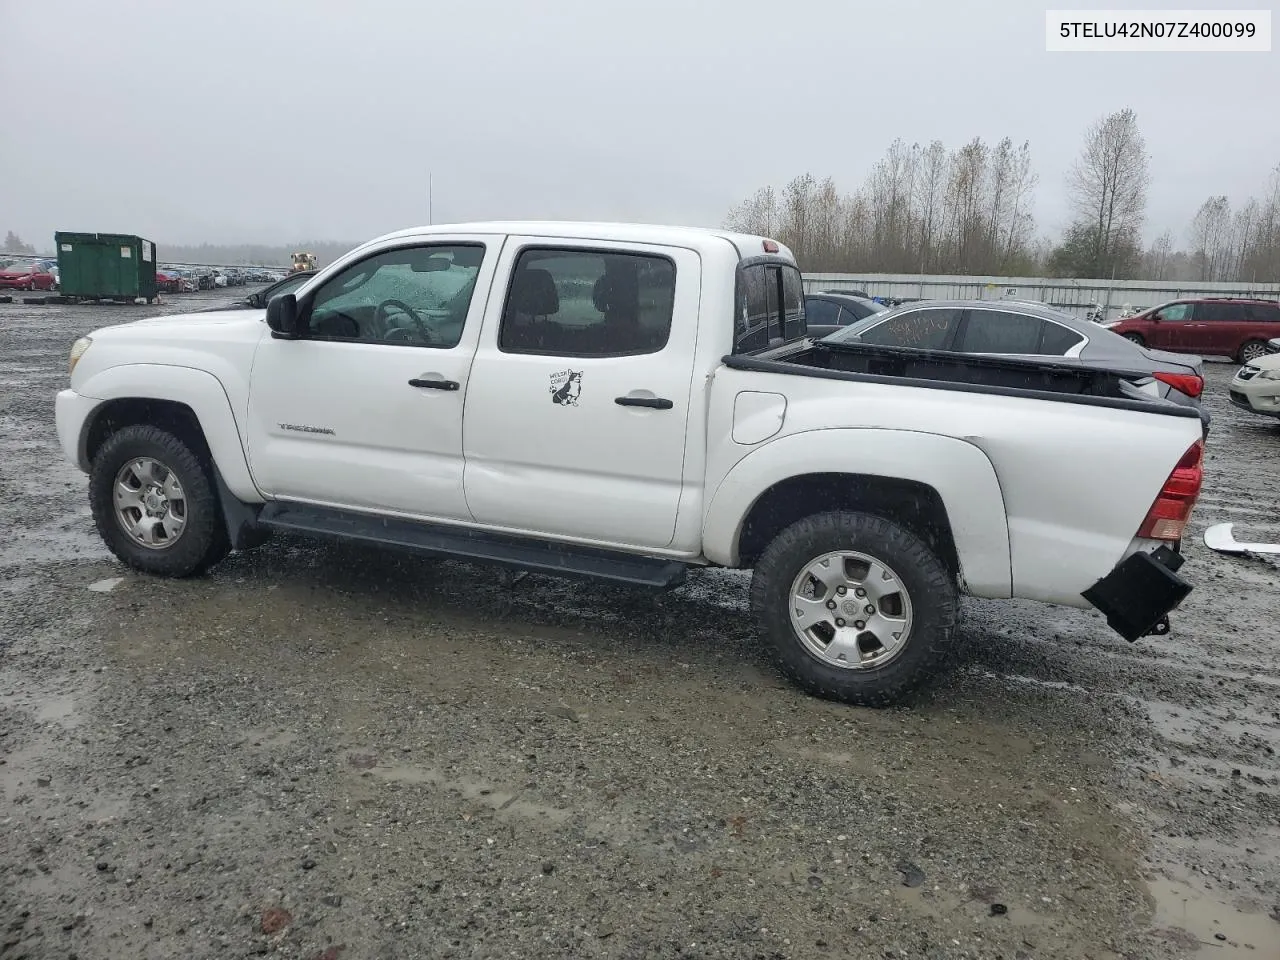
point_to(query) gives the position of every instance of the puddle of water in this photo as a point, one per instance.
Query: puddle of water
(53, 544)
(1195, 919)
(503, 803)
(18, 585)
(59, 709)
(1032, 681)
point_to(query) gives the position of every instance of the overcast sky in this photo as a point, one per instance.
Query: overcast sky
(242, 121)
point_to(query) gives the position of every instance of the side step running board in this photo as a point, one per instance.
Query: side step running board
(1219, 537)
(480, 546)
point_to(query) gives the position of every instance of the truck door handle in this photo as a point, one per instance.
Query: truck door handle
(434, 384)
(657, 403)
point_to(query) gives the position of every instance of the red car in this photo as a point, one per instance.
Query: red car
(1220, 326)
(29, 275)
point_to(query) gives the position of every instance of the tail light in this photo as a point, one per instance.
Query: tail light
(1189, 383)
(1168, 516)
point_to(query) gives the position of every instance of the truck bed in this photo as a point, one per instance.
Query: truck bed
(944, 370)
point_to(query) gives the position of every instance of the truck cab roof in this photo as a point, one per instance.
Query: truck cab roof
(748, 245)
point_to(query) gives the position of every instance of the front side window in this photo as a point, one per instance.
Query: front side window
(588, 303)
(928, 329)
(999, 331)
(416, 296)
(288, 285)
(1176, 313)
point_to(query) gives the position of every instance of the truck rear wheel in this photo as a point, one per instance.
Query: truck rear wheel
(154, 504)
(856, 608)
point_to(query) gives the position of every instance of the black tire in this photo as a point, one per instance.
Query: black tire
(1136, 338)
(934, 602)
(203, 540)
(1259, 350)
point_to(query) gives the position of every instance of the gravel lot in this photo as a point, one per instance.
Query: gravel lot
(327, 752)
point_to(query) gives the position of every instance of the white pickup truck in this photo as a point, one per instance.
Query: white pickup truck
(628, 403)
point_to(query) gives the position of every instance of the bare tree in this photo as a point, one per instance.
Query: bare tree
(1157, 261)
(1210, 236)
(930, 196)
(1108, 189)
(1019, 224)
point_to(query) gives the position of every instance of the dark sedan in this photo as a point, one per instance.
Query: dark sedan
(1029, 331)
(828, 312)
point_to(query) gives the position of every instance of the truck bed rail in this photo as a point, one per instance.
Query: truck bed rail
(966, 373)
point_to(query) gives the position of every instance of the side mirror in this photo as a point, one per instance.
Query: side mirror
(255, 300)
(282, 317)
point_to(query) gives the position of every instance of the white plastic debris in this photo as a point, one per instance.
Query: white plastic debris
(106, 586)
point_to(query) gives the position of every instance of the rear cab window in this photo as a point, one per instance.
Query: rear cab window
(770, 305)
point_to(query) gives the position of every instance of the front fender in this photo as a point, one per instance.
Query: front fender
(960, 472)
(197, 389)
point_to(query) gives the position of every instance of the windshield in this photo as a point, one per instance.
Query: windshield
(853, 330)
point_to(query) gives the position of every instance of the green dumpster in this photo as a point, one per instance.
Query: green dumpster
(106, 266)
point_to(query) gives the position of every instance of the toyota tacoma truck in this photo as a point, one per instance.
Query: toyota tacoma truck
(631, 403)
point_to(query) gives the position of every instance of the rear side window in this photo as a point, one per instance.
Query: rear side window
(1058, 339)
(1219, 312)
(770, 306)
(930, 329)
(821, 313)
(588, 303)
(1265, 312)
(997, 331)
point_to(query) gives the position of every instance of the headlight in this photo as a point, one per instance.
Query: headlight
(77, 351)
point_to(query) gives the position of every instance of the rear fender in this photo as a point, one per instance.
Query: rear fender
(197, 389)
(960, 472)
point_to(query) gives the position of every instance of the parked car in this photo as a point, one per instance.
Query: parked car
(29, 275)
(629, 403)
(1256, 386)
(828, 312)
(259, 298)
(1025, 329)
(1225, 327)
(168, 281)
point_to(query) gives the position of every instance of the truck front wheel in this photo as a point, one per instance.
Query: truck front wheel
(154, 504)
(856, 608)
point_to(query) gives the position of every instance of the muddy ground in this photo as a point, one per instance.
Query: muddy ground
(322, 751)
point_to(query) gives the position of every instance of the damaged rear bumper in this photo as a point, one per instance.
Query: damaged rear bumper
(1138, 594)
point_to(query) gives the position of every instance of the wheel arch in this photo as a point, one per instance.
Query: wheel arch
(943, 489)
(188, 402)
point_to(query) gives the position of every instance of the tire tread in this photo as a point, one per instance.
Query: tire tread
(203, 543)
(934, 598)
